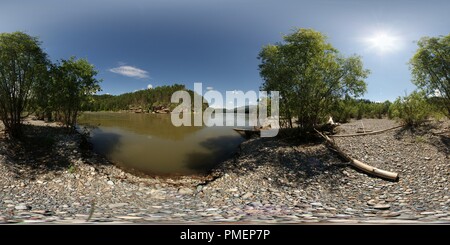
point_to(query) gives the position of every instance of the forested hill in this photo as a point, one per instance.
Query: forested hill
(149, 100)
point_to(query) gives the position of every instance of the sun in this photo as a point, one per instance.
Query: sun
(383, 42)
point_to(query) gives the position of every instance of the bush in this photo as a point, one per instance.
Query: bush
(413, 110)
(344, 110)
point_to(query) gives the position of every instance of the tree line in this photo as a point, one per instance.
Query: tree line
(148, 100)
(31, 83)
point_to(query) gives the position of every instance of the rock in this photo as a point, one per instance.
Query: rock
(382, 206)
(317, 204)
(129, 217)
(110, 182)
(232, 190)
(371, 202)
(343, 216)
(391, 214)
(255, 204)
(117, 205)
(185, 191)
(407, 217)
(440, 215)
(427, 213)
(247, 195)
(199, 188)
(22, 207)
(43, 212)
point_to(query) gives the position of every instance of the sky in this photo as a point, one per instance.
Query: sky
(136, 44)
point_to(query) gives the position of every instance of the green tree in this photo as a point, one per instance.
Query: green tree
(431, 67)
(23, 65)
(311, 76)
(74, 84)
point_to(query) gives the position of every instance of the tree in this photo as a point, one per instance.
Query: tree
(23, 65)
(431, 68)
(74, 84)
(310, 75)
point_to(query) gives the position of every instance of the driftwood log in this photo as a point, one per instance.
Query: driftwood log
(367, 133)
(358, 164)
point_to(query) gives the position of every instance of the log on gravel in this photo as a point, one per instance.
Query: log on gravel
(367, 133)
(358, 164)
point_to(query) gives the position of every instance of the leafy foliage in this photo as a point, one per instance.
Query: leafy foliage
(431, 69)
(349, 108)
(73, 84)
(23, 65)
(310, 75)
(412, 110)
(29, 82)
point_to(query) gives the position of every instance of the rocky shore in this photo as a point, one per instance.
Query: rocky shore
(55, 179)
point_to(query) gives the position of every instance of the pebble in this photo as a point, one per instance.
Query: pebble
(382, 206)
(185, 191)
(22, 207)
(129, 217)
(247, 195)
(117, 205)
(371, 202)
(391, 214)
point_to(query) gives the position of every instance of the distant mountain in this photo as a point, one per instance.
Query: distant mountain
(156, 99)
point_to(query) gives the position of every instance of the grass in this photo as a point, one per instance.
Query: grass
(72, 169)
(420, 139)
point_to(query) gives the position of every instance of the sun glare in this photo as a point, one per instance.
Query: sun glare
(383, 42)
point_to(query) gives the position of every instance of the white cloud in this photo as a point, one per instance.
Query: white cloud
(130, 71)
(209, 88)
(149, 86)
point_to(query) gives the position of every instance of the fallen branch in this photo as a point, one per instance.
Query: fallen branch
(362, 131)
(358, 164)
(374, 132)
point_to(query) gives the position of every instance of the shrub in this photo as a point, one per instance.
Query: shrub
(412, 110)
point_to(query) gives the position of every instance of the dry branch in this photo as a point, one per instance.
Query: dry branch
(358, 164)
(368, 133)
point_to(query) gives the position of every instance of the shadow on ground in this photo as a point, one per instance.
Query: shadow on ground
(430, 132)
(44, 149)
(292, 161)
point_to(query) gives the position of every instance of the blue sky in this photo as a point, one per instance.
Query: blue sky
(135, 43)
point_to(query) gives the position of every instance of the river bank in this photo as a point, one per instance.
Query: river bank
(269, 180)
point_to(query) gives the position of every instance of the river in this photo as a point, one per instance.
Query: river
(150, 144)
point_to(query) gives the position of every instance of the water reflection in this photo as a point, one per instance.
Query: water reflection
(149, 143)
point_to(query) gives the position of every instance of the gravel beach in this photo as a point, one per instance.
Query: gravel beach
(269, 180)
